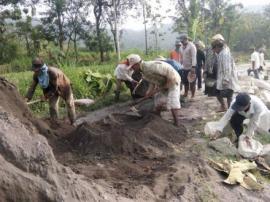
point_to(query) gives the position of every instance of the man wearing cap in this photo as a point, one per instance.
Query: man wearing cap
(227, 81)
(175, 54)
(189, 62)
(123, 73)
(244, 106)
(54, 84)
(161, 77)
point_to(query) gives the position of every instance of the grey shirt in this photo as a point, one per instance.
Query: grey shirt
(189, 56)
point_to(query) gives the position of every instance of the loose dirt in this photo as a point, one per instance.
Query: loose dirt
(111, 156)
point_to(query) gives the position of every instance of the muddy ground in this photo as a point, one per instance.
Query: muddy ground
(112, 156)
(149, 159)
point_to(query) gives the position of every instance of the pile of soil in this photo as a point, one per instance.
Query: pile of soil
(28, 168)
(149, 136)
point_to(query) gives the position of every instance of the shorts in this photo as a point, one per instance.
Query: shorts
(184, 76)
(173, 100)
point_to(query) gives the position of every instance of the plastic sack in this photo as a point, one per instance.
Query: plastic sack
(265, 96)
(266, 150)
(264, 123)
(211, 128)
(246, 151)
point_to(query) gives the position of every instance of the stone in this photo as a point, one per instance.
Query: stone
(224, 146)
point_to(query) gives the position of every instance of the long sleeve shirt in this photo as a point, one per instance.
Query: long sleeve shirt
(59, 84)
(255, 57)
(189, 56)
(257, 108)
(123, 73)
(262, 59)
(226, 73)
(159, 73)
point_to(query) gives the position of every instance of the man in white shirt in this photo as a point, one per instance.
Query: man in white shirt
(255, 62)
(123, 73)
(244, 106)
(262, 62)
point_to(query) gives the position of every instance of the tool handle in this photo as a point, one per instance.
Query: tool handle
(33, 102)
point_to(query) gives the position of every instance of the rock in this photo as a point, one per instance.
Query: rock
(224, 146)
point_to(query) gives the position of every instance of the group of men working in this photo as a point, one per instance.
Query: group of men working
(166, 75)
(220, 78)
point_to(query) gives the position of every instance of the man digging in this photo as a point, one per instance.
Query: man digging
(54, 84)
(162, 77)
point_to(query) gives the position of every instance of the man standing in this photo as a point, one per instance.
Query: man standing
(189, 62)
(243, 107)
(54, 84)
(161, 77)
(227, 81)
(262, 62)
(255, 62)
(200, 62)
(175, 54)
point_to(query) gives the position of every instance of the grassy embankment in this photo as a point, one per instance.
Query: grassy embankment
(80, 87)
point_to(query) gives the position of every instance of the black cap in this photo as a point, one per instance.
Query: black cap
(183, 37)
(242, 100)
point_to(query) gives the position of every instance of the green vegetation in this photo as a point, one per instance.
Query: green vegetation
(80, 86)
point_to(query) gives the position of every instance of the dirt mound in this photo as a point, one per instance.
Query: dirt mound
(128, 135)
(12, 102)
(28, 169)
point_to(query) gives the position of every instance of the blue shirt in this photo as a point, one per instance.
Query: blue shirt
(176, 65)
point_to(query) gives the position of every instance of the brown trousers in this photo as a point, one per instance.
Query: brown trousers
(69, 100)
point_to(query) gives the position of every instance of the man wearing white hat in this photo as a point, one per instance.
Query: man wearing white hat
(227, 81)
(123, 73)
(161, 77)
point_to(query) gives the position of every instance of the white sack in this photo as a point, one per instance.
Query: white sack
(246, 151)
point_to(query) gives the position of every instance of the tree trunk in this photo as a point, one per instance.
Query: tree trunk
(75, 46)
(116, 37)
(61, 34)
(27, 45)
(100, 43)
(145, 30)
(98, 13)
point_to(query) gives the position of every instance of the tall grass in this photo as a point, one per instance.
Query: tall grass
(80, 87)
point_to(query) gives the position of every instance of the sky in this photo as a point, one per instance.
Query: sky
(252, 2)
(136, 24)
